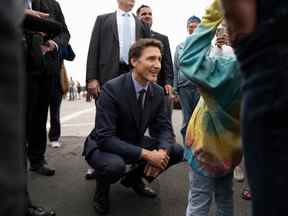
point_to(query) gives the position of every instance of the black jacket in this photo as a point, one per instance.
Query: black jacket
(37, 64)
(103, 56)
(166, 74)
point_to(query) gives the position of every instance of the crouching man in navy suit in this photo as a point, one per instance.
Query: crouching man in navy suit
(127, 106)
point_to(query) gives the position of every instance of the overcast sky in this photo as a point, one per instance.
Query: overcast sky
(169, 18)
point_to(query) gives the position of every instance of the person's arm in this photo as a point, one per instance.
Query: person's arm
(92, 67)
(176, 68)
(36, 21)
(168, 65)
(197, 65)
(63, 38)
(33, 13)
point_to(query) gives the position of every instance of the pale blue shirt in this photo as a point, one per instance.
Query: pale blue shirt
(138, 87)
(120, 18)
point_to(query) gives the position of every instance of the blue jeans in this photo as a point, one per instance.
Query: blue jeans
(201, 194)
(189, 97)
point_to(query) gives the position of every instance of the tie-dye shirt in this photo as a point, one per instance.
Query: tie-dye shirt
(213, 133)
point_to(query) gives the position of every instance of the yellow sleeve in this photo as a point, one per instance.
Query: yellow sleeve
(214, 15)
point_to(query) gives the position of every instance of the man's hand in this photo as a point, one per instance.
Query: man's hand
(151, 171)
(168, 89)
(51, 45)
(159, 159)
(222, 40)
(93, 87)
(44, 49)
(38, 14)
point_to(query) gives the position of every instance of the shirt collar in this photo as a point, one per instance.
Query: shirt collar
(121, 12)
(138, 87)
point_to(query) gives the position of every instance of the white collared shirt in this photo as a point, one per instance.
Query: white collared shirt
(120, 29)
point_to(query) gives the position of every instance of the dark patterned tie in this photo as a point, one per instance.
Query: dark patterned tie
(140, 102)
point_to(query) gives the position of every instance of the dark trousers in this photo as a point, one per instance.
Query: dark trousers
(38, 92)
(55, 104)
(189, 98)
(264, 125)
(109, 168)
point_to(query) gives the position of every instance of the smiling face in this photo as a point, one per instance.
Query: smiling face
(126, 5)
(147, 67)
(145, 15)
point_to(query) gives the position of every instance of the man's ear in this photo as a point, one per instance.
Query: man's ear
(133, 62)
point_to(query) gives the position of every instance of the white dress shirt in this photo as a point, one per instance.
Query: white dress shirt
(28, 4)
(120, 30)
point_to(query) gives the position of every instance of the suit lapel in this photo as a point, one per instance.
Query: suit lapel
(114, 26)
(137, 27)
(132, 99)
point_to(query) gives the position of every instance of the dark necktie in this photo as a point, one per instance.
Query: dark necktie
(140, 102)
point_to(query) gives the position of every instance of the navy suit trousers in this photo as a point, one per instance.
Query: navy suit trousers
(109, 168)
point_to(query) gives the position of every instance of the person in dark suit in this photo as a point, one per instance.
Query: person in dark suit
(13, 179)
(112, 36)
(43, 65)
(12, 166)
(126, 107)
(165, 78)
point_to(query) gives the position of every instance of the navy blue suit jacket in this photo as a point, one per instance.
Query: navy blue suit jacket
(118, 128)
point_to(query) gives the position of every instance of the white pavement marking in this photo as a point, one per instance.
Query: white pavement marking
(73, 115)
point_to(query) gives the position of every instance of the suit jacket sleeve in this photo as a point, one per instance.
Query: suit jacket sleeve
(92, 68)
(176, 68)
(63, 38)
(106, 136)
(167, 60)
(161, 125)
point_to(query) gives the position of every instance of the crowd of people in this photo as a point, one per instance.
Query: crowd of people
(232, 93)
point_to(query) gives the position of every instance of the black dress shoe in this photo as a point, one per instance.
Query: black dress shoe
(143, 190)
(38, 211)
(101, 198)
(43, 170)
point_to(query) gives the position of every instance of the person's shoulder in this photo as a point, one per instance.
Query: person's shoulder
(116, 83)
(102, 16)
(157, 89)
(160, 35)
(49, 3)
